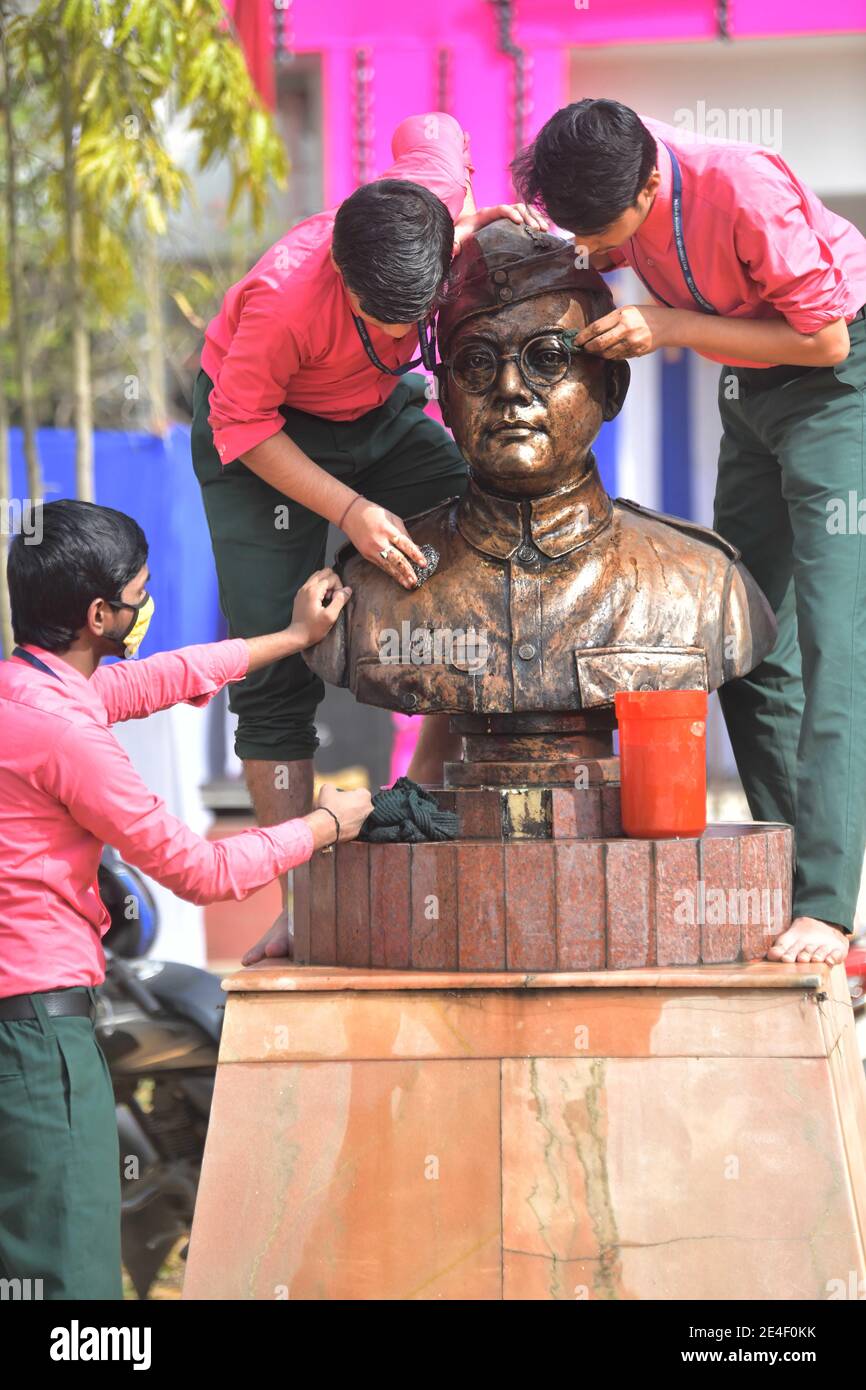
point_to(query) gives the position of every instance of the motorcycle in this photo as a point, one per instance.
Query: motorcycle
(158, 1023)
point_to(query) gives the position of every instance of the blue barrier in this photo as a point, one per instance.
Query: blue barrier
(152, 480)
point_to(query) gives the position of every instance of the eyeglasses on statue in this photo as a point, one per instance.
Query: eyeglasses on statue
(543, 360)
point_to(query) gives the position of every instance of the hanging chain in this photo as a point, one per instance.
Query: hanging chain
(283, 30)
(522, 70)
(443, 79)
(723, 19)
(363, 113)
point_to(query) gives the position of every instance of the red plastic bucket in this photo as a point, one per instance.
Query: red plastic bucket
(663, 762)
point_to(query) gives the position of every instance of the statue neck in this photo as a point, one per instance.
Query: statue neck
(555, 523)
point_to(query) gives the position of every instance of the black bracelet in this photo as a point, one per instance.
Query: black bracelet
(336, 822)
(355, 499)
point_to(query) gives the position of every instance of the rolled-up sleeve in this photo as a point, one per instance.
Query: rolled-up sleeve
(433, 149)
(263, 356)
(790, 263)
(190, 675)
(90, 774)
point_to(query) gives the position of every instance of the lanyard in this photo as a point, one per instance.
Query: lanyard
(679, 241)
(34, 661)
(426, 343)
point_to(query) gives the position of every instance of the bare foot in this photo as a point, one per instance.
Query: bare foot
(808, 941)
(278, 942)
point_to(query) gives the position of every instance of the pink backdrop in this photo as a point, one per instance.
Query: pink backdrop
(403, 40)
(402, 73)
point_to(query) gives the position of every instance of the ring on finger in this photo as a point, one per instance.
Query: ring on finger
(383, 554)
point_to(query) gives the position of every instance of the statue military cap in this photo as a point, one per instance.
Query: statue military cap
(504, 263)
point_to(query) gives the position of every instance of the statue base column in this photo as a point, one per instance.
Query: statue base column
(691, 1133)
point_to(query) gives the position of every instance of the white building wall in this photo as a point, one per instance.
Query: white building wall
(816, 85)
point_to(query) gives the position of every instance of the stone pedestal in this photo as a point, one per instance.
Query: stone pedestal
(635, 1134)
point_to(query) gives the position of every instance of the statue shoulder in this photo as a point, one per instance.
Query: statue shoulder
(746, 626)
(423, 527)
(688, 528)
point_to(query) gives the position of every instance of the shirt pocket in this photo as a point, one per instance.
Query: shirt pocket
(417, 689)
(602, 671)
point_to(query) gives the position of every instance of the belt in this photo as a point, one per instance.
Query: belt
(58, 1003)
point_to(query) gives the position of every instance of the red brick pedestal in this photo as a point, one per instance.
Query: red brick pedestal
(558, 903)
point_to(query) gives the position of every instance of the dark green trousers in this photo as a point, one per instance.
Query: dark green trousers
(792, 471)
(59, 1159)
(265, 545)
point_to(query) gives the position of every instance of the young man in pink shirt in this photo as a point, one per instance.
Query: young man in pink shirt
(304, 414)
(66, 789)
(747, 267)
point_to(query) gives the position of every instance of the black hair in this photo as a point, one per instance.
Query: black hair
(587, 165)
(393, 241)
(85, 552)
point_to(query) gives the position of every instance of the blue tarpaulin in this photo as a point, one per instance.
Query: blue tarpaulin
(152, 480)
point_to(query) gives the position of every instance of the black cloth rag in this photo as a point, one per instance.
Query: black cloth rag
(405, 813)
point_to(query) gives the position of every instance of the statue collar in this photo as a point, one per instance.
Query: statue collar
(555, 524)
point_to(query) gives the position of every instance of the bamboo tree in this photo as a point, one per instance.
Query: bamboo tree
(14, 276)
(6, 642)
(77, 306)
(111, 76)
(157, 404)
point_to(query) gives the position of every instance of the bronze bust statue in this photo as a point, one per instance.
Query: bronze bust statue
(548, 595)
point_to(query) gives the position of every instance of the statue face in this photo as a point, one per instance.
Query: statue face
(526, 439)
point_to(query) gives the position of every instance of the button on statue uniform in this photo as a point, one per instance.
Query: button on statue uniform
(622, 599)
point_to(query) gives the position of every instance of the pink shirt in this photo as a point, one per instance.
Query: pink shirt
(67, 787)
(285, 334)
(759, 243)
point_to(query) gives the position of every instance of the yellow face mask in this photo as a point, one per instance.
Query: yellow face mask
(134, 635)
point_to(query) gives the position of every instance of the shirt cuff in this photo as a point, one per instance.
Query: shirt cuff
(233, 440)
(226, 661)
(294, 839)
(813, 320)
(236, 651)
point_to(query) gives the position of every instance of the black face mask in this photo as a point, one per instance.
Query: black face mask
(141, 615)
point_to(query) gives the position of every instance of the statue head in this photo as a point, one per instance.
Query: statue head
(523, 402)
(568, 595)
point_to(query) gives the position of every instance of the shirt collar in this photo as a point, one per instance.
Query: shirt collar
(556, 524)
(68, 674)
(656, 232)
